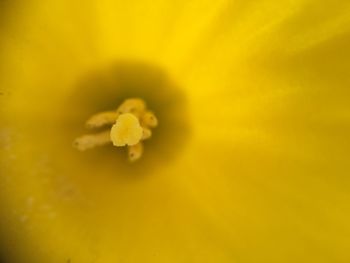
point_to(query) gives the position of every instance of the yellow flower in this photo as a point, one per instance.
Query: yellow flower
(250, 162)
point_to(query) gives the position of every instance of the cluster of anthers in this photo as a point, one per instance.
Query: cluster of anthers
(128, 126)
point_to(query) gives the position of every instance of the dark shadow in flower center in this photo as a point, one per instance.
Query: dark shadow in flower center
(106, 90)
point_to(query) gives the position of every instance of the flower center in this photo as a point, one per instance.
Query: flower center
(97, 96)
(131, 124)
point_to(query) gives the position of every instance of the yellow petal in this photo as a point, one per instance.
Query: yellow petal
(264, 175)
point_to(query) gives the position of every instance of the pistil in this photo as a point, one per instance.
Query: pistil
(127, 126)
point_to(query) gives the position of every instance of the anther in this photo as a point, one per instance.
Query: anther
(149, 119)
(134, 106)
(101, 119)
(135, 152)
(92, 140)
(146, 133)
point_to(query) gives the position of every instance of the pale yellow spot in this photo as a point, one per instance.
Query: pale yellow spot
(126, 131)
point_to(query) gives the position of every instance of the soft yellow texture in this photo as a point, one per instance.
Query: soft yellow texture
(126, 131)
(264, 176)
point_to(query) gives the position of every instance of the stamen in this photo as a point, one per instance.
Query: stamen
(135, 152)
(149, 119)
(92, 140)
(130, 124)
(134, 106)
(101, 119)
(146, 134)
